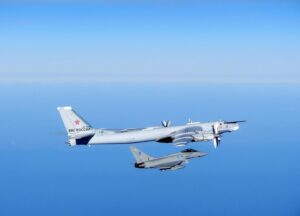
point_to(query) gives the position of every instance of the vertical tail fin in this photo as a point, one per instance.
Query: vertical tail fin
(139, 155)
(79, 131)
(73, 122)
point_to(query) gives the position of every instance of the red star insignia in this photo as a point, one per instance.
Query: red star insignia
(77, 122)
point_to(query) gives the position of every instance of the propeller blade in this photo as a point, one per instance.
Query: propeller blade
(215, 129)
(216, 142)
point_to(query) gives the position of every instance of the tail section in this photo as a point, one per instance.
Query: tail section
(139, 155)
(72, 121)
(79, 130)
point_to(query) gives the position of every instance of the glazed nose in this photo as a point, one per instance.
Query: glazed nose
(236, 127)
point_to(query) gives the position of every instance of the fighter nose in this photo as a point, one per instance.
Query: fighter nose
(201, 154)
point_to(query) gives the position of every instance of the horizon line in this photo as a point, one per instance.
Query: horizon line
(95, 80)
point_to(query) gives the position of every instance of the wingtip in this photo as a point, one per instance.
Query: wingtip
(132, 147)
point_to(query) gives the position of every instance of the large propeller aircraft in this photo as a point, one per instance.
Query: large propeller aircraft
(82, 133)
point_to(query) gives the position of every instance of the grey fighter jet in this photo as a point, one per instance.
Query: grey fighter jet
(169, 162)
(82, 133)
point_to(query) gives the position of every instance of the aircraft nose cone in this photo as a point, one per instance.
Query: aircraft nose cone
(200, 154)
(236, 127)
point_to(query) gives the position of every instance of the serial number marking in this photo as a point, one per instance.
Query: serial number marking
(79, 129)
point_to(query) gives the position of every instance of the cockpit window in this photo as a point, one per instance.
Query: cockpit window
(189, 150)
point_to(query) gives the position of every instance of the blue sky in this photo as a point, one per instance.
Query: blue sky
(129, 64)
(254, 42)
(255, 171)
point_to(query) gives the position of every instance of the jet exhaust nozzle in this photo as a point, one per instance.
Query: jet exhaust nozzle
(139, 165)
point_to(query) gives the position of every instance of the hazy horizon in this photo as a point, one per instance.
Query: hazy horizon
(132, 64)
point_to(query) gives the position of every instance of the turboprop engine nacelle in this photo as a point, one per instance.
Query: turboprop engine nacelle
(203, 137)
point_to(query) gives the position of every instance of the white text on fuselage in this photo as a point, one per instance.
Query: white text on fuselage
(79, 129)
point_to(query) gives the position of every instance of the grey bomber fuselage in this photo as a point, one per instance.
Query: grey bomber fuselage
(81, 133)
(103, 136)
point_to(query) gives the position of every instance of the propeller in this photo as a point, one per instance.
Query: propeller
(216, 141)
(166, 123)
(215, 129)
(217, 138)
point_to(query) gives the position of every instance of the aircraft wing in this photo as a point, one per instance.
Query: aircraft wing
(182, 140)
(176, 166)
(183, 137)
(172, 168)
(130, 129)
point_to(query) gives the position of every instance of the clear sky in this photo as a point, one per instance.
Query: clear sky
(223, 41)
(255, 171)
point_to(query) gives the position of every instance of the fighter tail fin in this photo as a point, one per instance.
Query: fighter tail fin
(139, 155)
(73, 122)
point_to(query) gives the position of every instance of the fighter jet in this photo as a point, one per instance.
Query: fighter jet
(170, 162)
(80, 132)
